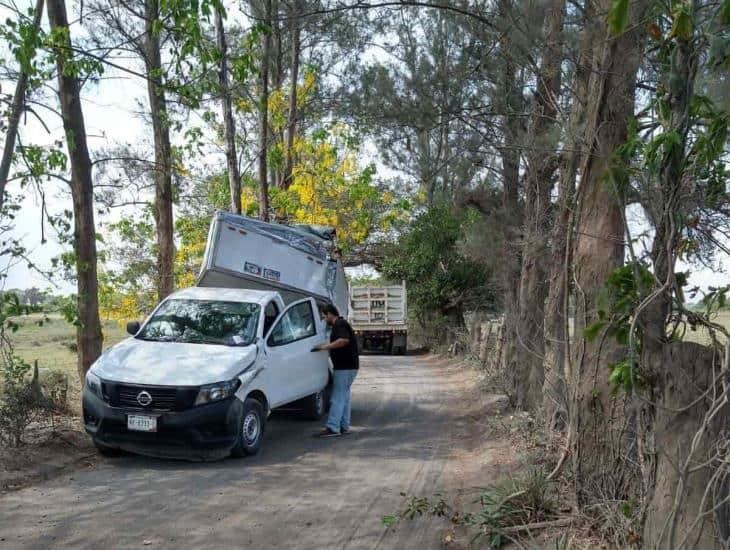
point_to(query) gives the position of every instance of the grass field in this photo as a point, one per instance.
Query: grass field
(53, 344)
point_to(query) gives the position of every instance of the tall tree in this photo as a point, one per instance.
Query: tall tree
(264, 114)
(296, 48)
(683, 407)
(424, 125)
(234, 178)
(511, 103)
(163, 150)
(16, 110)
(597, 415)
(88, 331)
(555, 398)
(542, 138)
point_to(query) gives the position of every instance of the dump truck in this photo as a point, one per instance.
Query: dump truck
(379, 317)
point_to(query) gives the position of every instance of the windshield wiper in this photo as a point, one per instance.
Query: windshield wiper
(157, 339)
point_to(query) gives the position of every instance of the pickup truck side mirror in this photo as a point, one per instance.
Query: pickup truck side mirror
(133, 327)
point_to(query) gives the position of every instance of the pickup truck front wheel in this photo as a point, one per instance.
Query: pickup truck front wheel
(109, 452)
(250, 429)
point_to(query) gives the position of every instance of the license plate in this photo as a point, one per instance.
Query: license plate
(140, 423)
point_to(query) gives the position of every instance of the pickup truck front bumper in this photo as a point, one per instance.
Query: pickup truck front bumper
(205, 432)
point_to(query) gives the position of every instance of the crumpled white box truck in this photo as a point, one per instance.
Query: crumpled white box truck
(297, 261)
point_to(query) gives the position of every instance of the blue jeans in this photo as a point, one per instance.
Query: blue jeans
(339, 418)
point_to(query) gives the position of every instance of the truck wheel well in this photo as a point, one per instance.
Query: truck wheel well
(260, 397)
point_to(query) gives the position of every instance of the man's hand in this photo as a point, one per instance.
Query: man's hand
(320, 347)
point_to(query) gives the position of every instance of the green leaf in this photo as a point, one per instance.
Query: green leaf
(618, 16)
(621, 333)
(591, 331)
(725, 12)
(389, 520)
(682, 24)
(620, 377)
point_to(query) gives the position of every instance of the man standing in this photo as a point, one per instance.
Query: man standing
(345, 361)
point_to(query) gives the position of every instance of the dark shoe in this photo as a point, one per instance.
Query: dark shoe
(343, 431)
(327, 433)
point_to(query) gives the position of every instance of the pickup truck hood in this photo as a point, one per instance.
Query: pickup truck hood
(172, 364)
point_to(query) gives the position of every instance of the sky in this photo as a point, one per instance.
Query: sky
(112, 115)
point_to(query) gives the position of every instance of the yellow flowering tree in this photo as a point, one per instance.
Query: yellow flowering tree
(329, 188)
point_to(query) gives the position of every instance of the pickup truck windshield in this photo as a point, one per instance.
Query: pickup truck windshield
(203, 322)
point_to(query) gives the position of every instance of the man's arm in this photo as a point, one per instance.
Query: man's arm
(337, 344)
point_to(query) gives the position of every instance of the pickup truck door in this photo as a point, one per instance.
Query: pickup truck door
(293, 370)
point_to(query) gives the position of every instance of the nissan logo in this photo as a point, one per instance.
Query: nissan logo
(144, 398)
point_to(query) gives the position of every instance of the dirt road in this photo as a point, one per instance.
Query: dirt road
(299, 492)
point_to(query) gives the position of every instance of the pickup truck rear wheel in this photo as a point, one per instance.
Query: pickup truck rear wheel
(315, 406)
(250, 429)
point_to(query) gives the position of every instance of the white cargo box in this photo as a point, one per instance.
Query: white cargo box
(294, 260)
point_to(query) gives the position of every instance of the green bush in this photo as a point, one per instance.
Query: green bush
(442, 281)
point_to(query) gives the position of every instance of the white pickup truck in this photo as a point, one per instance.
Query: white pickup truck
(200, 376)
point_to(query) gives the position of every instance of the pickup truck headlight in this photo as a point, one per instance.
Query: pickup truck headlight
(93, 383)
(216, 392)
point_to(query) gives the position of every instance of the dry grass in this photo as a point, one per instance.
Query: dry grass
(53, 345)
(702, 335)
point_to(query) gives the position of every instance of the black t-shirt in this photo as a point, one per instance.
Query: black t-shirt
(345, 358)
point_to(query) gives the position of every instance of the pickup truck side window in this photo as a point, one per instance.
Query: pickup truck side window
(296, 324)
(271, 312)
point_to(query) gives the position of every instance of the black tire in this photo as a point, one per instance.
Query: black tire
(250, 428)
(315, 406)
(109, 452)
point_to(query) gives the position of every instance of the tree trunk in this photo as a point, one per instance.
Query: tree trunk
(234, 179)
(277, 72)
(292, 122)
(88, 332)
(264, 120)
(682, 445)
(163, 154)
(510, 264)
(541, 166)
(16, 109)
(555, 398)
(509, 273)
(597, 415)
(684, 487)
